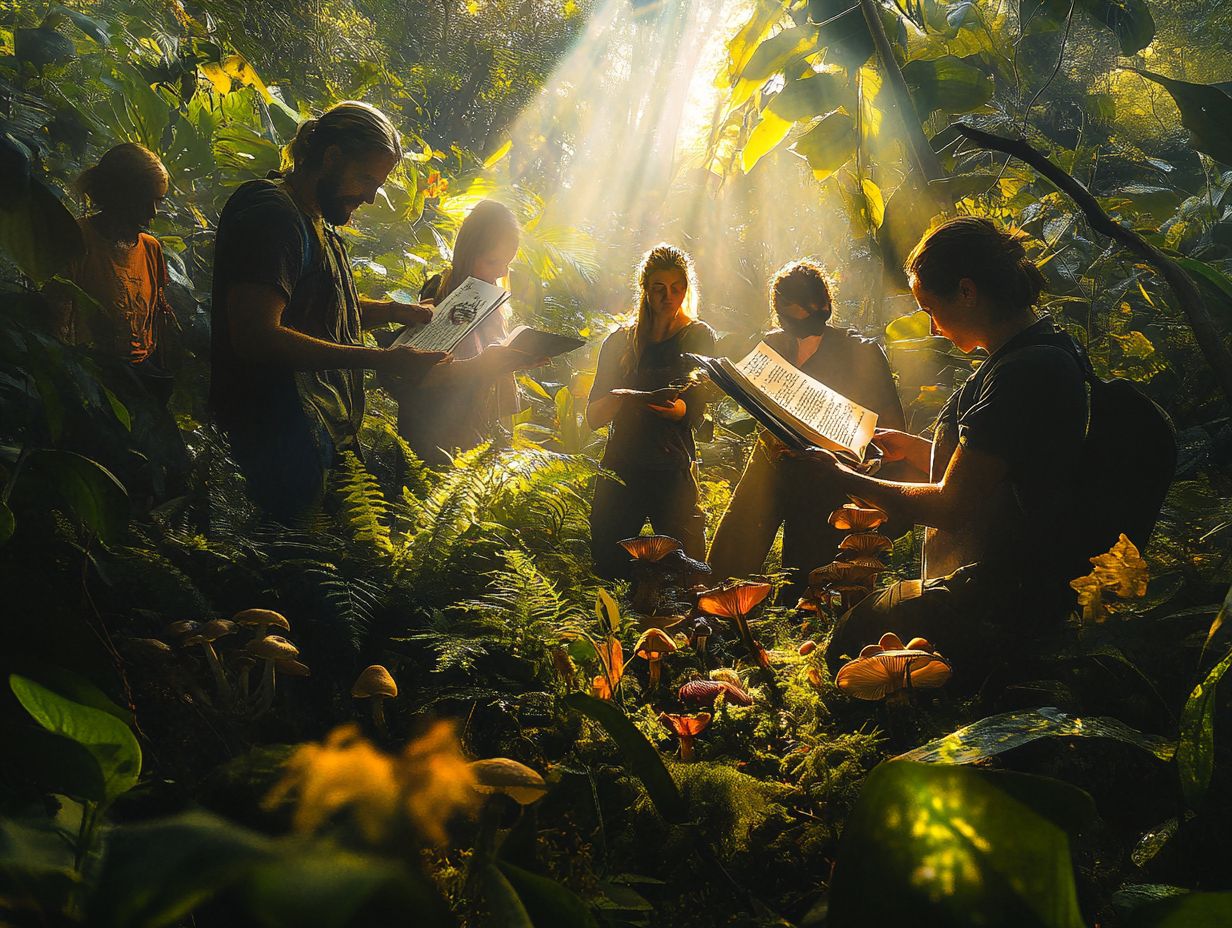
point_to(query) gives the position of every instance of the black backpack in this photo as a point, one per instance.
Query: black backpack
(1128, 462)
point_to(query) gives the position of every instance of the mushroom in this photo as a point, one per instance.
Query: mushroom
(881, 673)
(649, 571)
(686, 728)
(508, 778)
(261, 621)
(851, 581)
(205, 636)
(705, 692)
(854, 518)
(271, 649)
(293, 668)
(727, 675)
(806, 648)
(735, 602)
(866, 543)
(176, 632)
(700, 639)
(375, 683)
(652, 645)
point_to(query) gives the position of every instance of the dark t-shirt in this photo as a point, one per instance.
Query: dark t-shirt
(638, 439)
(1027, 405)
(263, 238)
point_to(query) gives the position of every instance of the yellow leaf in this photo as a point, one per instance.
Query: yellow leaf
(764, 138)
(239, 70)
(1122, 570)
(497, 155)
(218, 78)
(874, 201)
(1090, 598)
(607, 612)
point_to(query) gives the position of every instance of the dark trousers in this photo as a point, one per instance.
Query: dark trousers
(773, 493)
(667, 498)
(285, 467)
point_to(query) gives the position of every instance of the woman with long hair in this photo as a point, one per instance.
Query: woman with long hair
(123, 269)
(460, 405)
(998, 479)
(775, 491)
(640, 393)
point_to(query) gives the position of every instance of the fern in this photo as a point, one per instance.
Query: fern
(362, 505)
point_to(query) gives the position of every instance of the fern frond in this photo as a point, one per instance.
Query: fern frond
(362, 505)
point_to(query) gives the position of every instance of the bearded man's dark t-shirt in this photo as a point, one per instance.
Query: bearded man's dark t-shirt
(275, 416)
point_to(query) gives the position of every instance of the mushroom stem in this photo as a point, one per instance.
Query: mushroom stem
(220, 678)
(686, 748)
(746, 635)
(647, 594)
(378, 715)
(655, 670)
(266, 685)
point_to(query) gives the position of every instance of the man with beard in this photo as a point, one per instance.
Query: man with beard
(288, 355)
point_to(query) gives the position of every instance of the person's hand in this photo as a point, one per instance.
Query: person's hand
(821, 463)
(503, 359)
(894, 444)
(407, 363)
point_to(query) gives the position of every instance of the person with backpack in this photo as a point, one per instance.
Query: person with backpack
(288, 356)
(1000, 479)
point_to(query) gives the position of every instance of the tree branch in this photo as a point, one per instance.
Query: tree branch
(1188, 296)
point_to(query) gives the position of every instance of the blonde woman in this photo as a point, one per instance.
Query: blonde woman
(650, 438)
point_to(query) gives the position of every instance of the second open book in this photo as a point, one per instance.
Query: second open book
(794, 407)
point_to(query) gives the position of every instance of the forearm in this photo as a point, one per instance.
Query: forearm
(601, 410)
(920, 503)
(376, 313)
(285, 347)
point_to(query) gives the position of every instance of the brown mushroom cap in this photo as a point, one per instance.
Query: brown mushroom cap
(728, 602)
(653, 644)
(685, 726)
(178, 631)
(879, 675)
(842, 573)
(292, 668)
(273, 648)
(650, 547)
(853, 518)
(215, 629)
(509, 778)
(145, 648)
(261, 618)
(374, 680)
(919, 644)
(869, 543)
(890, 642)
(705, 692)
(807, 647)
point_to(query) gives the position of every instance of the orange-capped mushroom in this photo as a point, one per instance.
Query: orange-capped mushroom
(889, 674)
(735, 601)
(651, 646)
(686, 728)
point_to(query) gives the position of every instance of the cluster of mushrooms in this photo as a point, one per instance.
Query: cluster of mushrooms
(890, 670)
(853, 573)
(244, 657)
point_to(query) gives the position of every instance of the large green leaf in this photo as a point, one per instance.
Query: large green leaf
(999, 733)
(949, 846)
(547, 902)
(1129, 20)
(1195, 754)
(42, 47)
(811, 95)
(328, 887)
(1206, 111)
(505, 907)
(828, 144)
(39, 233)
(640, 755)
(1192, 910)
(779, 51)
(109, 740)
(89, 491)
(948, 84)
(154, 874)
(845, 35)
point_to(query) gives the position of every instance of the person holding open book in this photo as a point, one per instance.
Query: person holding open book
(460, 405)
(641, 392)
(287, 358)
(1002, 470)
(776, 491)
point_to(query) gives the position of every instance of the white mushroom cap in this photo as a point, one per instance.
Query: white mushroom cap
(509, 778)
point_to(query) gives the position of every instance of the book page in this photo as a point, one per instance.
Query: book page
(454, 317)
(821, 412)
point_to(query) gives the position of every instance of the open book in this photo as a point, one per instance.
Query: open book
(454, 317)
(539, 344)
(799, 411)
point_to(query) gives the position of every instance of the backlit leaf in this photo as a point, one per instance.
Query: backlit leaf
(764, 138)
(828, 144)
(1206, 111)
(1195, 754)
(948, 84)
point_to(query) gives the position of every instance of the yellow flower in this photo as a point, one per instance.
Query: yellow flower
(426, 784)
(1121, 573)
